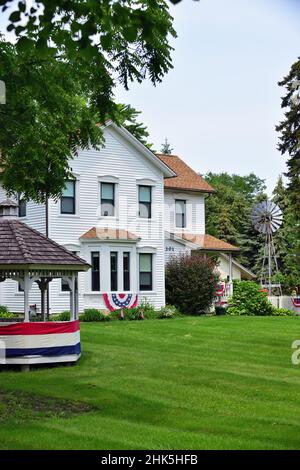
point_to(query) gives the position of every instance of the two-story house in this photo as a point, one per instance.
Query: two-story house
(116, 212)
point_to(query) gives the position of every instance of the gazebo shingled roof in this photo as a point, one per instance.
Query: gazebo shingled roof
(22, 245)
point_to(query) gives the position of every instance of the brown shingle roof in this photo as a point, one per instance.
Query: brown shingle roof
(109, 234)
(22, 245)
(207, 242)
(186, 177)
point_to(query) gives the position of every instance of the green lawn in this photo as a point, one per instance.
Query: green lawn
(189, 383)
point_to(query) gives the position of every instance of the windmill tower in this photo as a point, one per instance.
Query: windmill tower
(267, 218)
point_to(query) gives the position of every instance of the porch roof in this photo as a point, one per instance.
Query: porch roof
(204, 242)
(108, 233)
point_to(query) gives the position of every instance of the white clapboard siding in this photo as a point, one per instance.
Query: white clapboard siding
(173, 249)
(195, 211)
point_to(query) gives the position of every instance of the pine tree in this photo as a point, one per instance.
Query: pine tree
(127, 116)
(286, 240)
(166, 148)
(289, 131)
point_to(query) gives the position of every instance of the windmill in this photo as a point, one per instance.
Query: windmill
(267, 218)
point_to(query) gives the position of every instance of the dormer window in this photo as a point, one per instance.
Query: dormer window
(180, 213)
(108, 199)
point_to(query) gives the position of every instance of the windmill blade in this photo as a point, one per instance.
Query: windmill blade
(266, 217)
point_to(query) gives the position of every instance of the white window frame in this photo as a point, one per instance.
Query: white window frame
(188, 212)
(114, 180)
(76, 178)
(152, 183)
(147, 250)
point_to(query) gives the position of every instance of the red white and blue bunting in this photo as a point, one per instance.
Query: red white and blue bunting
(296, 301)
(220, 289)
(40, 339)
(117, 301)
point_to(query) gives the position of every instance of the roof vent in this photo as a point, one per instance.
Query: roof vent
(8, 209)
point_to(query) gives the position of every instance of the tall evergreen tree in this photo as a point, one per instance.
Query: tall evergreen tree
(286, 240)
(289, 134)
(127, 116)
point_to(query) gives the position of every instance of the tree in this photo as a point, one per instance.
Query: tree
(286, 241)
(125, 36)
(127, 117)
(60, 78)
(228, 213)
(45, 120)
(166, 148)
(289, 134)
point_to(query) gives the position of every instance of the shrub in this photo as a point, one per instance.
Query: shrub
(63, 316)
(5, 313)
(93, 314)
(282, 312)
(169, 311)
(190, 283)
(248, 299)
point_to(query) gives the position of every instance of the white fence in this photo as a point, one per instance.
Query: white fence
(285, 301)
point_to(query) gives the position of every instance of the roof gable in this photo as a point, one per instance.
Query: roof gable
(166, 170)
(186, 178)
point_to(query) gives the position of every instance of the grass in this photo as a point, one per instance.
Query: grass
(187, 383)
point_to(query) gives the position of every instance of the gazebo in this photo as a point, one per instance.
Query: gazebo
(27, 256)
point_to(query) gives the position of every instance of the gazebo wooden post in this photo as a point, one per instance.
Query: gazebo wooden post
(43, 284)
(76, 297)
(26, 296)
(72, 298)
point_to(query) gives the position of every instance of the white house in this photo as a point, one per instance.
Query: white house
(125, 212)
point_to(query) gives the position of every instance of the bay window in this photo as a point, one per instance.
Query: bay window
(95, 262)
(145, 269)
(113, 270)
(126, 271)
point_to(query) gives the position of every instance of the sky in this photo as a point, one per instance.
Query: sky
(219, 105)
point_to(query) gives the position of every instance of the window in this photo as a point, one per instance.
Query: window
(113, 270)
(145, 271)
(20, 288)
(64, 284)
(22, 207)
(108, 199)
(126, 270)
(145, 197)
(180, 213)
(95, 262)
(68, 198)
